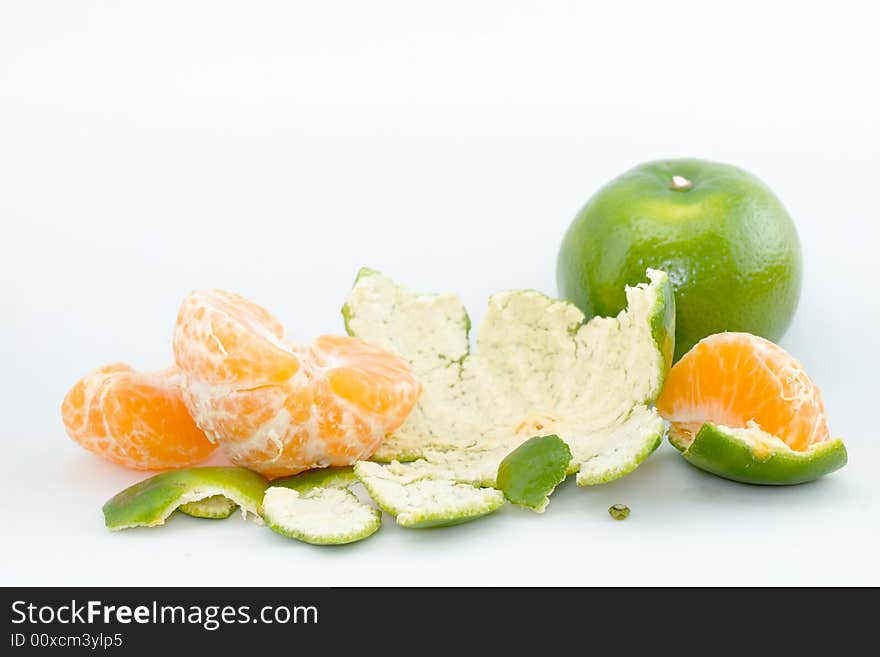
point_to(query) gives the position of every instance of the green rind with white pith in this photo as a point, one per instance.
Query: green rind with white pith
(216, 507)
(631, 448)
(319, 515)
(339, 477)
(731, 454)
(537, 367)
(662, 317)
(150, 502)
(425, 502)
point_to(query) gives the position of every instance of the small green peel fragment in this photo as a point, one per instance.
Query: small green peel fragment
(530, 473)
(149, 502)
(216, 507)
(618, 511)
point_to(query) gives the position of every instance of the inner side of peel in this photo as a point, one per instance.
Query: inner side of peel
(762, 443)
(319, 511)
(505, 391)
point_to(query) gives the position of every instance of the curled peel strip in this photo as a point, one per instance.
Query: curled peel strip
(150, 502)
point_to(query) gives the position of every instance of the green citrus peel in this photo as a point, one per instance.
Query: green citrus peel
(340, 477)
(320, 516)
(618, 511)
(538, 369)
(316, 507)
(150, 502)
(752, 456)
(419, 502)
(530, 473)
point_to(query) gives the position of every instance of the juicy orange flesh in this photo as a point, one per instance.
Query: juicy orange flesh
(739, 380)
(223, 337)
(363, 374)
(280, 408)
(138, 420)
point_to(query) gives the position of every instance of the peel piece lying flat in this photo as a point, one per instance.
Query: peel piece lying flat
(419, 501)
(538, 368)
(316, 507)
(530, 473)
(148, 503)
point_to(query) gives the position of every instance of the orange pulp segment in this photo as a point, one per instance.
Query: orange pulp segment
(740, 380)
(135, 419)
(280, 408)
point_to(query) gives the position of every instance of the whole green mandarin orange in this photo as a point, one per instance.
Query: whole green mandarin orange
(727, 243)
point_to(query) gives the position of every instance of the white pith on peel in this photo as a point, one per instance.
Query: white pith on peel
(536, 369)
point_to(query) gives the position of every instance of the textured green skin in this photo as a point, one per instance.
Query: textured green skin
(663, 329)
(618, 513)
(149, 502)
(716, 451)
(205, 509)
(728, 245)
(531, 472)
(341, 477)
(335, 540)
(429, 521)
(437, 524)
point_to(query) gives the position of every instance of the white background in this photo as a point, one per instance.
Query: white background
(147, 149)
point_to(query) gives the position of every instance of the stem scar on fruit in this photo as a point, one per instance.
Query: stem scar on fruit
(680, 184)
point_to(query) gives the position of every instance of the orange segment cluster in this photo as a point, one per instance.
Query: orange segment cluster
(281, 408)
(739, 380)
(136, 419)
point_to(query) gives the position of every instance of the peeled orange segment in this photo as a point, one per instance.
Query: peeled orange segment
(280, 408)
(743, 408)
(216, 507)
(149, 502)
(135, 419)
(732, 379)
(537, 369)
(421, 502)
(319, 515)
(225, 338)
